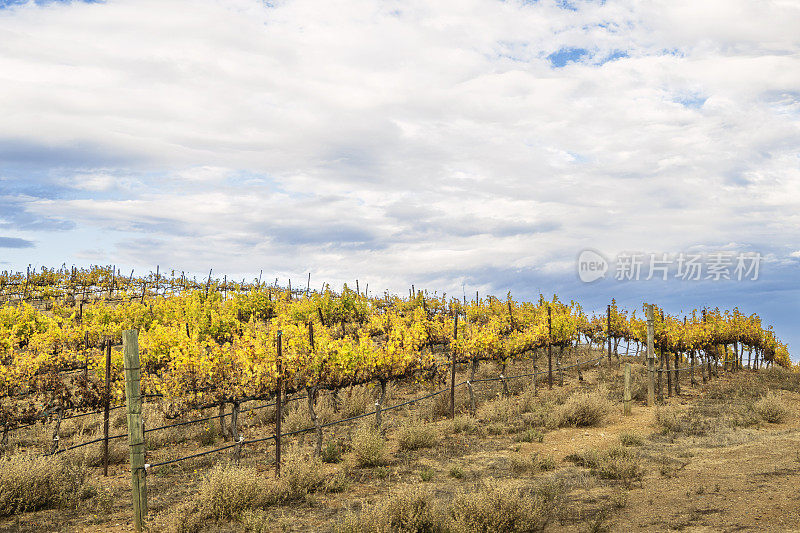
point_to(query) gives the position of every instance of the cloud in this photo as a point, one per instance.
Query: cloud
(400, 140)
(15, 242)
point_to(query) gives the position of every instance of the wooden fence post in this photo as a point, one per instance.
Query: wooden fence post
(453, 370)
(651, 385)
(669, 374)
(473, 371)
(311, 392)
(549, 348)
(133, 395)
(626, 393)
(237, 450)
(660, 380)
(278, 411)
(608, 309)
(107, 407)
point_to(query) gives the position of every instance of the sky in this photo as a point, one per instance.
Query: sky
(460, 146)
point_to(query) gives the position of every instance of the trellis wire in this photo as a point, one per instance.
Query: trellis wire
(349, 419)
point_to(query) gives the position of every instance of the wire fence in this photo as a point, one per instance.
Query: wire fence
(309, 429)
(243, 441)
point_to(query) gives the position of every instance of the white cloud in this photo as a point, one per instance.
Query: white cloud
(402, 139)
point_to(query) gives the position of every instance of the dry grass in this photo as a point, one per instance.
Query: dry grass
(231, 492)
(439, 406)
(297, 416)
(618, 463)
(531, 435)
(583, 410)
(260, 521)
(780, 378)
(369, 446)
(30, 482)
(708, 417)
(523, 464)
(416, 434)
(331, 452)
(630, 439)
(549, 409)
(501, 508)
(498, 411)
(357, 401)
(771, 408)
(614, 378)
(463, 424)
(406, 511)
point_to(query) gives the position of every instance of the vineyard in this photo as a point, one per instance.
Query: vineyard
(237, 347)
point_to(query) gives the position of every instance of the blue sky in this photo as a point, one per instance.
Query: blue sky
(478, 144)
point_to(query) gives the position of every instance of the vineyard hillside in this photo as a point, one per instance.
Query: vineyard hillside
(267, 408)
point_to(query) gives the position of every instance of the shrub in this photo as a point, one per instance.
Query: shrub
(440, 406)
(259, 521)
(771, 408)
(456, 471)
(338, 482)
(409, 511)
(621, 464)
(503, 508)
(531, 435)
(186, 518)
(705, 418)
(583, 410)
(299, 477)
(523, 463)
(369, 446)
(331, 452)
(206, 435)
(532, 463)
(630, 439)
(297, 415)
(617, 463)
(104, 500)
(120, 420)
(464, 424)
(228, 490)
(780, 378)
(118, 453)
(492, 507)
(357, 401)
(538, 414)
(547, 463)
(28, 483)
(415, 435)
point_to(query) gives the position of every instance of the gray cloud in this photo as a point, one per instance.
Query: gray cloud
(14, 242)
